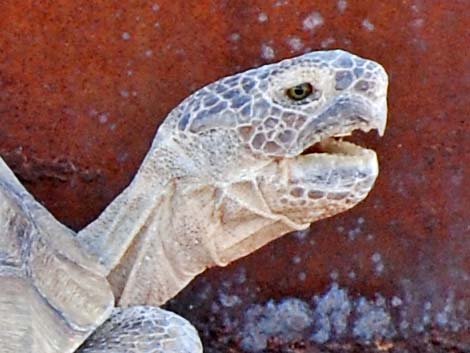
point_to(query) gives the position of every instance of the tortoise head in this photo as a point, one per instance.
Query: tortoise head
(265, 119)
(249, 135)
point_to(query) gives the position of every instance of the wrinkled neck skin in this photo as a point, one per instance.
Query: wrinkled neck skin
(167, 226)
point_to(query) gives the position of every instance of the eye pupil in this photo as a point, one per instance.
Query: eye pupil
(300, 91)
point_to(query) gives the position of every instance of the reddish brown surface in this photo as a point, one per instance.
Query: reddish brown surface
(84, 85)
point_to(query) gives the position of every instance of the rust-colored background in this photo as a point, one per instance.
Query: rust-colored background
(85, 84)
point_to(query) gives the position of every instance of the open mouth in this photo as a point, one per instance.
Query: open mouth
(349, 144)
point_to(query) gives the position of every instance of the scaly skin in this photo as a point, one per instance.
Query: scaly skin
(224, 176)
(225, 173)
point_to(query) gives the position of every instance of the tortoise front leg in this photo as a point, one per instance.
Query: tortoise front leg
(143, 329)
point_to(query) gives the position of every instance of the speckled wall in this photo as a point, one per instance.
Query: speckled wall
(84, 85)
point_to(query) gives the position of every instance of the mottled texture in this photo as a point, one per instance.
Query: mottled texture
(83, 86)
(143, 329)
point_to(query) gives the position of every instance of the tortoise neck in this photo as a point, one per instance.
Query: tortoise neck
(110, 235)
(144, 250)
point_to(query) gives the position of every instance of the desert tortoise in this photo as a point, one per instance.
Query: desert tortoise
(225, 175)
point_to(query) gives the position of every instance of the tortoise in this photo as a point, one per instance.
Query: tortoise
(228, 171)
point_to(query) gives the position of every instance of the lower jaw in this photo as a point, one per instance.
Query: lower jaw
(333, 155)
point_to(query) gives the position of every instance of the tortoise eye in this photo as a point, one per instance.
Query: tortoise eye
(300, 92)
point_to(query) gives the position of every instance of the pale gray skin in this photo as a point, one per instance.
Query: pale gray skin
(223, 177)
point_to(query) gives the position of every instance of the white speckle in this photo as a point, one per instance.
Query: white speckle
(370, 237)
(372, 321)
(461, 305)
(352, 275)
(404, 325)
(205, 293)
(396, 302)
(113, 127)
(288, 319)
(103, 118)
(457, 179)
(380, 301)
(418, 327)
(134, 94)
(340, 229)
(155, 7)
(335, 316)
(379, 268)
(302, 276)
(420, 44)
(267, 53)
(124, 93)
(331, 314)
(137, 18)
(342, 5)
(235, 37)
(122, 157)
(295, 43)
(360, 220)
(280, 3)
(125, 36)
(262, 17)
(327, 42)
(93, 112)
(353, 233)
(156, 24)
(418, 23)
(229, 300)
(368, 25)
(334, 275)
(296, 260)
(149, 53)
(314, 20)
(301, 234)
(241, 276)
(130, 72)
(442, 319)
(180, 51)
(415, 8)
(227, 283)
(376, 257)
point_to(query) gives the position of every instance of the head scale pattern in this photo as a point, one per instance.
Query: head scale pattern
(255, 105)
